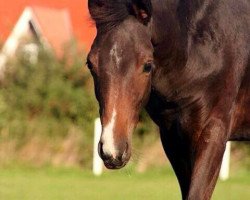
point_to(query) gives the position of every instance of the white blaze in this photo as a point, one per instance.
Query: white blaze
(108, 131)
(108, 136)
(115, 55)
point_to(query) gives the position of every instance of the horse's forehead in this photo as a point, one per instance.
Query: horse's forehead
(120, 49)
(116, 47)
(116, 54)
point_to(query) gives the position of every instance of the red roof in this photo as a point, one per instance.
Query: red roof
(83, 29)
(58, 32)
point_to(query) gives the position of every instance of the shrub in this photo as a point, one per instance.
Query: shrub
(47, 98)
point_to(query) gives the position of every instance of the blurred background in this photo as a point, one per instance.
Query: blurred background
(47, 113)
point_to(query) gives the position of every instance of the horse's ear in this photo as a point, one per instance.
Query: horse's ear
(142, 10)
(95, 3)
(95, 8)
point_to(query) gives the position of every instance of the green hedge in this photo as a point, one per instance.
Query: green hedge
(49, 90)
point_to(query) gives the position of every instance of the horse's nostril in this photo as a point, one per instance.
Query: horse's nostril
(120, 157)
(100, 151)
(124, 155)
(126, 150)
(103, 155)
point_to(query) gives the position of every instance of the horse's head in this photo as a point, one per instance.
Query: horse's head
(121, 62)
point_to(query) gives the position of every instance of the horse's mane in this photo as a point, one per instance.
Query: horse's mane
(109, 13)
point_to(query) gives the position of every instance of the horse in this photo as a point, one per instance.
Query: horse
(187, 62)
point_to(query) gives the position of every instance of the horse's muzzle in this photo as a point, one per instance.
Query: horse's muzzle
(114, 161)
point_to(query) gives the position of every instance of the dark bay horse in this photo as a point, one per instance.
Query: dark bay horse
(188, 63)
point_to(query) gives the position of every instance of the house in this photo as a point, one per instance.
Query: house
(53, 23)
(52, 27)
(82, 26)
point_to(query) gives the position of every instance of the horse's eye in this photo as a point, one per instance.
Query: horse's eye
(147, 67)
(89, 64)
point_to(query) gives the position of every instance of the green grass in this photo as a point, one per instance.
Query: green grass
(74, 184)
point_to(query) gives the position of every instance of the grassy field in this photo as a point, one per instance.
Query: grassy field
(74, 184)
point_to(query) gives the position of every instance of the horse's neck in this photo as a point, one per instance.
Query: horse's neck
(170, 43)
(168, 33)
(173, 19)
(170, 37)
